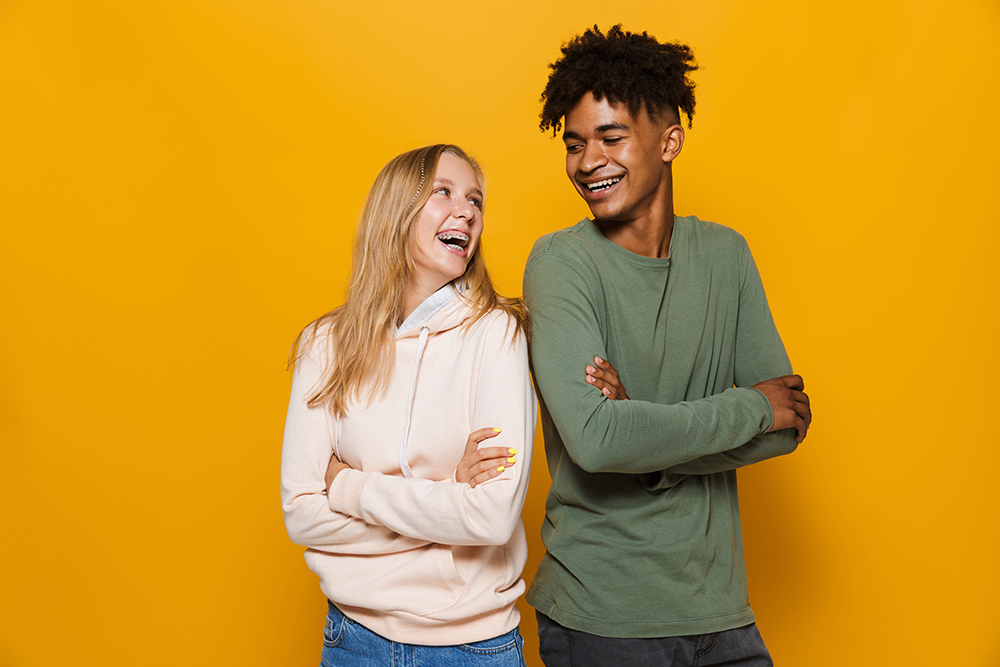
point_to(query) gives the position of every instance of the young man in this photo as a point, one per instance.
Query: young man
(660, 373)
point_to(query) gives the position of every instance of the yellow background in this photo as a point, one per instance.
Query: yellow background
(179, 183)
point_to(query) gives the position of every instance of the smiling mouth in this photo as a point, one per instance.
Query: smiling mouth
(602, 185)
(454, 240)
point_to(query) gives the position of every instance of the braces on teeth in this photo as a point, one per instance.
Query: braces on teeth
(454, 238)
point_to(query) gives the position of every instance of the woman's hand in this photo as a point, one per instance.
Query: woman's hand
(604, 377)
(336, 465)
(479, 465)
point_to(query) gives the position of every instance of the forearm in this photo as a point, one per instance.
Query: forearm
(444, 512)
(761, 448)
(311, 523)
(305, 454)
(641, 437)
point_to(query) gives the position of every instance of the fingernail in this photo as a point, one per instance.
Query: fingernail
(512, 451)
(501, 469)
(512, 460)
(496, 430)
(591, 369)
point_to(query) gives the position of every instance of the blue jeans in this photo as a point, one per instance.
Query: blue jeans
(562, 647)
(348, 643)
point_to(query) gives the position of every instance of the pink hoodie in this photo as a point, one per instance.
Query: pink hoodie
(398, 545)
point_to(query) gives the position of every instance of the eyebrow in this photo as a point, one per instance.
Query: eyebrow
(451, 183)
(612, 126)
(600, 129)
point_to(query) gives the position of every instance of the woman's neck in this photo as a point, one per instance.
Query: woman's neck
(413, 297)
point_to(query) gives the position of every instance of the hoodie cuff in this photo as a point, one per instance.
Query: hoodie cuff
(345, 492)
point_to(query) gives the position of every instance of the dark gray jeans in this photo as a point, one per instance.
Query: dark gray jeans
(561, 647)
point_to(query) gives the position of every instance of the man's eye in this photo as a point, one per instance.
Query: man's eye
(612, 140)
(573, 148)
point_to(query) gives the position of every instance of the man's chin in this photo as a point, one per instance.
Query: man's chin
(604, 216)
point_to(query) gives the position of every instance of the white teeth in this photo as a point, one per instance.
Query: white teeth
(601, 185)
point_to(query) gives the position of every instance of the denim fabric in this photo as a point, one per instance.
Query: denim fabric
(347, 643)
(562, 647)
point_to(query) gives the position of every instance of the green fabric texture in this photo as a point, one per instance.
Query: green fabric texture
(642, 524)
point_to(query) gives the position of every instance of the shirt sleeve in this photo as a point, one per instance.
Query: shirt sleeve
(760, 355)
(631, 436)
(450, 512)
(305, 455)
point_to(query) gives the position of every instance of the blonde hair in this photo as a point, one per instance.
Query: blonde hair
(360, 333)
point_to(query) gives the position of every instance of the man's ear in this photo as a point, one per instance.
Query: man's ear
(672, 142)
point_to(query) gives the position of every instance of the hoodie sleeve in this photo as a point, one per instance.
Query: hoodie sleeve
(450, 512)
(305, 455)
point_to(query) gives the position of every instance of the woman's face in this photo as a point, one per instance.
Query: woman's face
(448, 228)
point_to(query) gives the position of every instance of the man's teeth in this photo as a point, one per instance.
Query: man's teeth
(602, 185)
(456, 239)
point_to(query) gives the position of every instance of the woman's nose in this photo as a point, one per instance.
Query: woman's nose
(464, 209)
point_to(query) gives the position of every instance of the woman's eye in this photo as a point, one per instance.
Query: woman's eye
(443, 191)
(475, 202)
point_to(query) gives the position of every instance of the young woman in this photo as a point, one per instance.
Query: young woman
(413, 528)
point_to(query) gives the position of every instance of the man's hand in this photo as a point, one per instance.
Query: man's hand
(479, 465)
(336, 465)
(603, 376)
(789, 404)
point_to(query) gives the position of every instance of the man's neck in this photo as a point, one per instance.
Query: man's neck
(648, 236)
(647, 232)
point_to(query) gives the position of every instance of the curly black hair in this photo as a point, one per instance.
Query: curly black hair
(622, 67)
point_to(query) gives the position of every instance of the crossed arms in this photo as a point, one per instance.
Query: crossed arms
(743, 424)
(363, 512)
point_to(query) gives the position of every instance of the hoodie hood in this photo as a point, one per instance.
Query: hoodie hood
(441, 311)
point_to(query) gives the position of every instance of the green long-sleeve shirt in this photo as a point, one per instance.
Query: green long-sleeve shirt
(642, 527)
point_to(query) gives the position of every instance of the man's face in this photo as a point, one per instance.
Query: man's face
(616, 160)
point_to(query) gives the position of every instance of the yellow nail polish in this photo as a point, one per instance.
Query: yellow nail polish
(501, 469)
(512, 460)
(512, 451)
(496, 430)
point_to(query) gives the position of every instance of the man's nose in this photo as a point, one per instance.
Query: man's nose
(593, 157)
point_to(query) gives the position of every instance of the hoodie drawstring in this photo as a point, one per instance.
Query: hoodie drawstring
(404, 465)
(336, 438)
